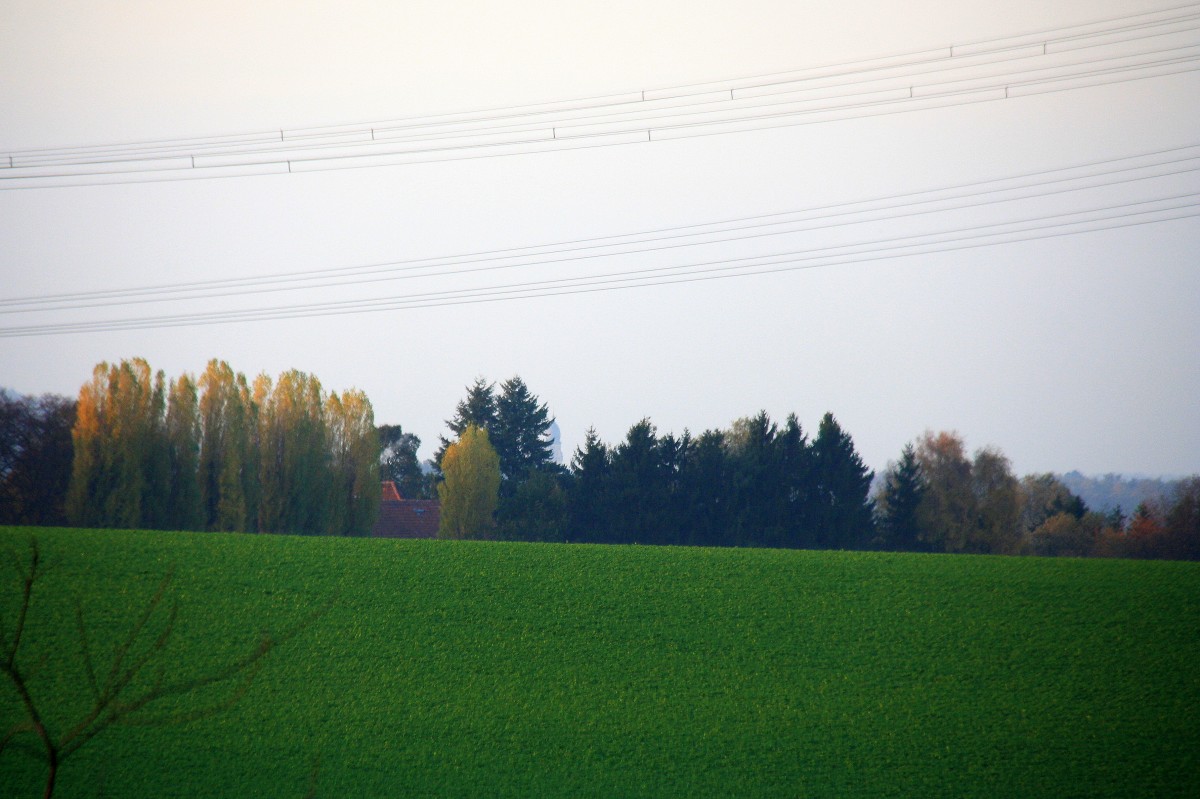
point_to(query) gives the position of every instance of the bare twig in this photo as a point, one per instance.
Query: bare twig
(118, 700)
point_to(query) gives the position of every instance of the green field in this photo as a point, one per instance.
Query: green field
(491, 669)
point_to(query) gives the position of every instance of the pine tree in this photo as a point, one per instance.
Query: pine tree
(798, 484)
(758, 490)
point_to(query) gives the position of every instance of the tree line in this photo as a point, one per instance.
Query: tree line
(760, 483)
(217, 453)
(223, 453)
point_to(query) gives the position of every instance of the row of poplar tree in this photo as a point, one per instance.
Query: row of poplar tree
(221, 453)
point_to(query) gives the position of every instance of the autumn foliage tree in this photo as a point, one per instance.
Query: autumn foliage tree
(221, 453)
(470, 489)
(968, 505)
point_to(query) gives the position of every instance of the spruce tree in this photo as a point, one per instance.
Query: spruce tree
(589, 504)
(520, 432)
(904, 487)
(478, 408)
(843, 485)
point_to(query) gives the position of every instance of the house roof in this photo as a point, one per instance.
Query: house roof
(405, 518)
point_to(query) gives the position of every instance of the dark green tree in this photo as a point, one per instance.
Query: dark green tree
(537, 511)
(843, 485)
(640, 493)
(521, 432)
(758, 496)
(589, 502)
(35, 457)
(904, 485)
(705, 490)
(399, 463)
(799, 489)
(477, 408)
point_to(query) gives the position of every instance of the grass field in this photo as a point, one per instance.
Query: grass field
(489, 669)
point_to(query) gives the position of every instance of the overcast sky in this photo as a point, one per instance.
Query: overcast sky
(1075, 352)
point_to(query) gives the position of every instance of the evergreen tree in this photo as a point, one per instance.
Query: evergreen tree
(798, 485)
(537, 511)
(478, 408)
(899, 527)
(843, 485)
(640, 486)
(470, 488)
(520, 432)
(589, 504)
(758, 491)
(705, 491)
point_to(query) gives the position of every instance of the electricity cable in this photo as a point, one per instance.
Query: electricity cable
(1024, 230)
(1177, 160)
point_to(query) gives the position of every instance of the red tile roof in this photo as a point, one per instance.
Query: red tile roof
(405, 518)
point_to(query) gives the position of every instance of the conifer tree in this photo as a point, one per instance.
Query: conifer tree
(589, 507)
(520, 432)
(843, 486)
(904, 485)
(478, 408)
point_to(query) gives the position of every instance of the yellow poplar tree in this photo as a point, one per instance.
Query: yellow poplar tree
(354, 462)
(471, 486)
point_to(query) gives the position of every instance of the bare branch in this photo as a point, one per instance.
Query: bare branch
(123, 650)
(110, 703)
(87, 651)
(27, 592)
(16, 730)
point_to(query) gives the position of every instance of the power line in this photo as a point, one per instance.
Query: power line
(1108, 217)
(1118, 171)
(228, 156)
(642, 109)
(1127, 22)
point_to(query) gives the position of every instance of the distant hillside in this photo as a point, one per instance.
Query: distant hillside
(1116, 491)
